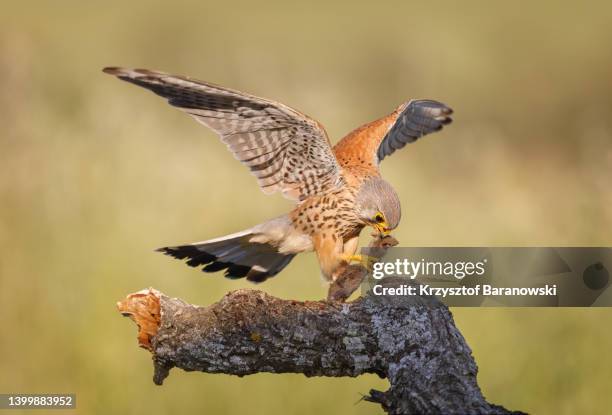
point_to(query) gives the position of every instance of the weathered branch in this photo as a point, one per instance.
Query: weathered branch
(412, 342)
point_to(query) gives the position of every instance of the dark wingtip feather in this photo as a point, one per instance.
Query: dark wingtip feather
(417, 119)
(435, 114)
(215, 266)
(196, 258)
(235, 271)
(112, 70)
(258, 276)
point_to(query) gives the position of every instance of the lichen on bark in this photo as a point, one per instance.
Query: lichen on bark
(411, 341)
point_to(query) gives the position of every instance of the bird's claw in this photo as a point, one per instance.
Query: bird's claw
(366, 261)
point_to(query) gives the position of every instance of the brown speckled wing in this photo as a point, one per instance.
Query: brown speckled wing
(285, 150)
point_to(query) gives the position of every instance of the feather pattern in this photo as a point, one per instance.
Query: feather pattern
(418, 118)
(284, 149)
(236, 254)
(339, 190)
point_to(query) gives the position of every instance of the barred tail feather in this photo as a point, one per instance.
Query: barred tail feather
(235, 254)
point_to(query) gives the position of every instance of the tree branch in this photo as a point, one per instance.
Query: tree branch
(413, 342)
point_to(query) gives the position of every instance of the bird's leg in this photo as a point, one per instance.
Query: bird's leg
(351, 258)
(348, 278)
(348, 253)
(377, 248)
(365, 260)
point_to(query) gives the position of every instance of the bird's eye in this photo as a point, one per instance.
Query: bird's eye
(379, 218)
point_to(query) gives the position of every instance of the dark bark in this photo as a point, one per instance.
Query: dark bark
(413, 342)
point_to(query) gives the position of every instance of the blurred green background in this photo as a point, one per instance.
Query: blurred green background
(96, 173)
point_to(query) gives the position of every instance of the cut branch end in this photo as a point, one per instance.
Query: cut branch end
(144, 309)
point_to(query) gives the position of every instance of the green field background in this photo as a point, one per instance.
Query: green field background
(96, 173)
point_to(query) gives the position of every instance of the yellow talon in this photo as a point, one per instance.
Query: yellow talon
(351, 258)
(364, 260)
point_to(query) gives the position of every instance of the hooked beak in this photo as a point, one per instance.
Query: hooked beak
(382, 228)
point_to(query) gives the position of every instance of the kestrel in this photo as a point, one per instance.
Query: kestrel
(338, 190)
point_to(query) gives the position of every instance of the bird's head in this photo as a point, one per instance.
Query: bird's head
(378, 206)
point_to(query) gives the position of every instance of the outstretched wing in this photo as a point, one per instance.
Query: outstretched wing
(418, 118)
(369, 144)
(286, 150)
